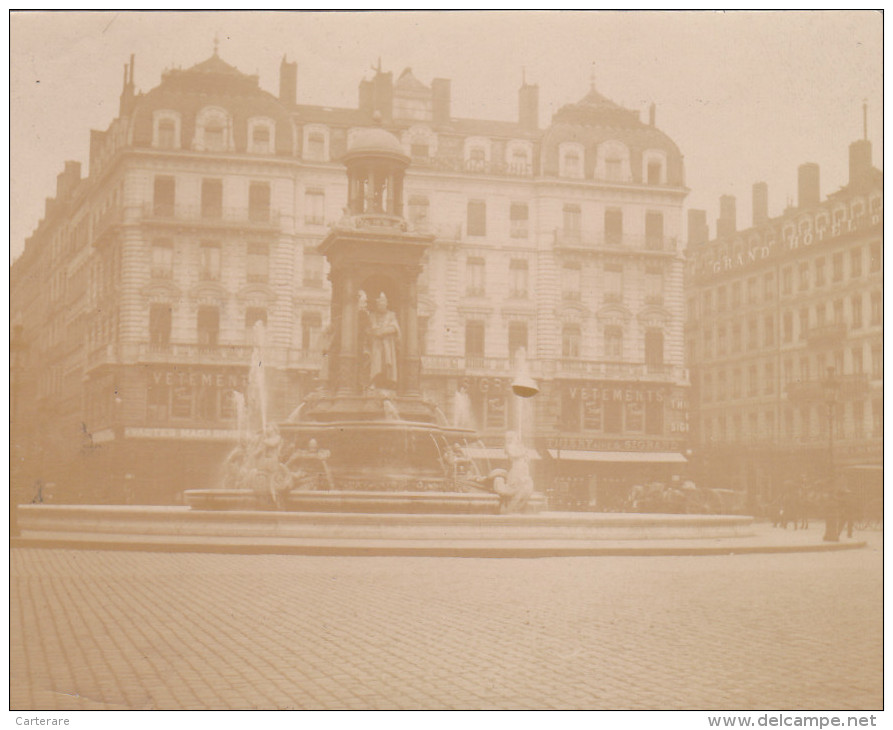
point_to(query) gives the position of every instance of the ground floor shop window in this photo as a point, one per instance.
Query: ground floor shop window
(204, 397)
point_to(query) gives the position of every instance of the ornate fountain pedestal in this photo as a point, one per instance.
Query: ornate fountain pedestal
(387, 449)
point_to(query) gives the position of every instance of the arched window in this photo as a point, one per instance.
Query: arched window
(213, 130)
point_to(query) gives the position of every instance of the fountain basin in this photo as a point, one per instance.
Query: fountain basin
(329, 533)
(358, 501)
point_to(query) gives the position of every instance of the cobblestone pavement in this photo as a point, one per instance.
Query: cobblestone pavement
(115, 630)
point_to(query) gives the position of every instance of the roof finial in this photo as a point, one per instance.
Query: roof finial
(592, 78)
(864, 118)
(216, 43)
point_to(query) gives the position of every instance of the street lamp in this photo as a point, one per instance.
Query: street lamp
(524, 387)
(830, 392)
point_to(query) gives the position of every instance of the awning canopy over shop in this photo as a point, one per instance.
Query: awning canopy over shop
(495, 453)
(632, 457)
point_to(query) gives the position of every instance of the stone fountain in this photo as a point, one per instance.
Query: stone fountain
(367, 440)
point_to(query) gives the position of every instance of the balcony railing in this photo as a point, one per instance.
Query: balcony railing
(487, 364)
(441, 231)
(613, 243)
(563, 367)
(477, 167)
(826, 335)
(214, 217)
(854, 385)
(621, 370)
(192, 353)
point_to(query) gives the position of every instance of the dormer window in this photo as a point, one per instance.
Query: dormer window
(570, 160)
(316, 143)
(654, 173)
(654, 167)
(260, 140)
(519, 162)
(476, 154)
(214, 136)
(477, 158)
(166, 130)
(212, 130)
(261, 136)
(572, 166)
(613, 162)
(518, 158)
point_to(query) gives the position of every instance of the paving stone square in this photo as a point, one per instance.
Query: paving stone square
(131, 630)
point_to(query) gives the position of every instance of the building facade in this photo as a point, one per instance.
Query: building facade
(784, 336)
(135, 300)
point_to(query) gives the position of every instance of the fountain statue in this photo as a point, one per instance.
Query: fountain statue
(517, 487)
(384, 340)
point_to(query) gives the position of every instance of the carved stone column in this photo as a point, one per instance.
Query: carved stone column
(412, 361)
(347, 357)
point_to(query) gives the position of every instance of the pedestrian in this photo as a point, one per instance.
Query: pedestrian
(845, 511)
(832, 534)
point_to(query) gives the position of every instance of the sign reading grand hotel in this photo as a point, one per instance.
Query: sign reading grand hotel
(796, 239)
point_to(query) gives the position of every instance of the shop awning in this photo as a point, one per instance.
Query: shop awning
(637, 457)
(495, 453)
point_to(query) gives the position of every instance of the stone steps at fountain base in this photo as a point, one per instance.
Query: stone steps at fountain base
(353, 501)
(550, 534)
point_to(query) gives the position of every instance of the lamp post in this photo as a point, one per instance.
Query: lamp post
(830, 391)
(523, 386)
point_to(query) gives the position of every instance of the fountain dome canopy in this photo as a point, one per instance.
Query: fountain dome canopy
(375, 142)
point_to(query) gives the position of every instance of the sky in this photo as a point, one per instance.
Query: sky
(747, 96)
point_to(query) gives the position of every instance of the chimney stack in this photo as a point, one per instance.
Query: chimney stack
(698, 233)
(808, 194)
(126, 99)
(760, 203)
(726, 224)
(67, 180)
(652, 114)
(288, 82)
(440, 104)
(528, 106)
(377, 95)
(860, 161)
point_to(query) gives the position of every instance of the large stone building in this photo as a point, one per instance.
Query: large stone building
(134, 301)
(784, 328)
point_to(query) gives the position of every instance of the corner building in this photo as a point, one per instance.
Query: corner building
(134, 302)
(772, 312)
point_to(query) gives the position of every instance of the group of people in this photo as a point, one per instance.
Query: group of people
(796, 501)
